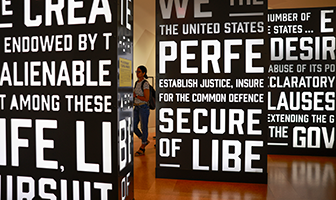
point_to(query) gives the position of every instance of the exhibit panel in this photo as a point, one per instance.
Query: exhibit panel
(301, 106)
(125, 100)
(64, 133)
(212, 60)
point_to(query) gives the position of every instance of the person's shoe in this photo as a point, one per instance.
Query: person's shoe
(147, 143)
(140, 152)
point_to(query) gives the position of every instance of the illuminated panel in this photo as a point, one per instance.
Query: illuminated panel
(301, 106)
(211, 85)
(63, 132)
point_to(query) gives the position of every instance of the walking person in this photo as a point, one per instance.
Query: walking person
(141, 109)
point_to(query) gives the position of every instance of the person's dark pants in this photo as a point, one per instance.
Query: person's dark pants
(141, 114)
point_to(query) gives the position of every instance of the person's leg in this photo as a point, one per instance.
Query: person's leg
(136, 122)
(144, 115)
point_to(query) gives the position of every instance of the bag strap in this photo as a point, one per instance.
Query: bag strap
(142, 84)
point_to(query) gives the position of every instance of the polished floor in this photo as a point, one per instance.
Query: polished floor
(289, 178)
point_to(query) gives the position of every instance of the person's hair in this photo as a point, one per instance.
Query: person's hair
(144, 70)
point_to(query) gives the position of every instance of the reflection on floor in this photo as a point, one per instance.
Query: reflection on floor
(289, 178)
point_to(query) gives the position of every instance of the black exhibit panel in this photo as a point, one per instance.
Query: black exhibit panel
(65, 99)
(212, 59)
(301, 106)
